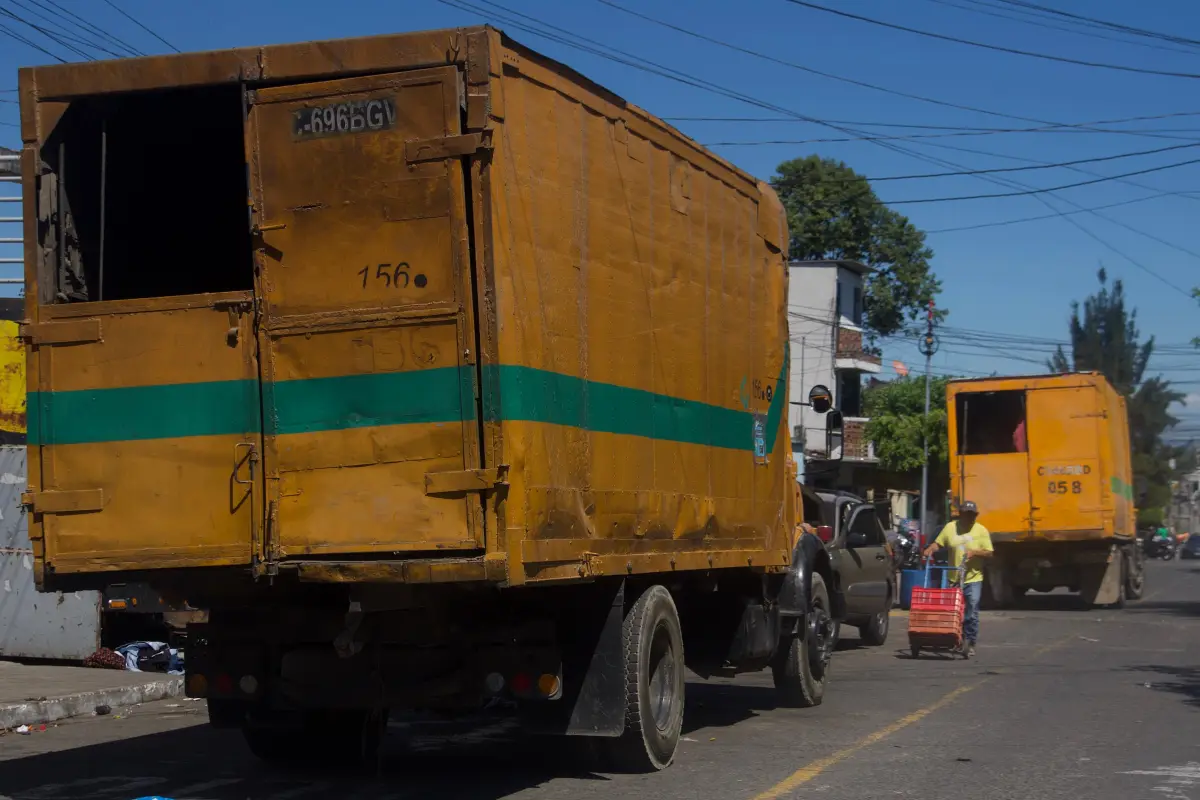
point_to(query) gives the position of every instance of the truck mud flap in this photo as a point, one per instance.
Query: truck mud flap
(797, 581)
(593, 702)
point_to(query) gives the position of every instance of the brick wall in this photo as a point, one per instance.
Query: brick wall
(854, 440)
(850, 345)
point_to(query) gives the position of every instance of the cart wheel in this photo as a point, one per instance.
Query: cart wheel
(915, 650)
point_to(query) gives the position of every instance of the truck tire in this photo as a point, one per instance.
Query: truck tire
(875, 632)
(1135, 573)
(652, 642)
(801, 666)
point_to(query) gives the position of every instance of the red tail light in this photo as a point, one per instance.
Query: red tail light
(825, 533)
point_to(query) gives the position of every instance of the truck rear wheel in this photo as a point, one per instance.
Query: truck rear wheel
(1135, 573)
(654, 684)
(802, 664)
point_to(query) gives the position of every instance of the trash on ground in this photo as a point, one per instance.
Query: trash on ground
(101, 710)
(1086, 639)
(104, 658)
(24, 729)
(151, 657)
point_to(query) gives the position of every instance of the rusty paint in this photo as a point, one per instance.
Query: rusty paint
(590, 332)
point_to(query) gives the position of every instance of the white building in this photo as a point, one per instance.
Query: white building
(825, 314)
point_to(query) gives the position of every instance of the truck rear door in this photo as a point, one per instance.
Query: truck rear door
(367, 334)
(993, 459)
(1064, 460)
(144, 415)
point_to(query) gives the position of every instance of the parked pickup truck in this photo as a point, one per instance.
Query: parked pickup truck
(860, 555)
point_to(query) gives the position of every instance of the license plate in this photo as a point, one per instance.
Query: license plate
(351, 116)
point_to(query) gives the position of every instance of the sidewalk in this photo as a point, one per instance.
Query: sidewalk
(36, 694)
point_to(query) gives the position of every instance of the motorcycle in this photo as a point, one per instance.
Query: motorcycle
(906, 553)
(1165, 549)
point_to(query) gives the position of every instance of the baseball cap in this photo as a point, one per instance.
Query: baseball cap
(968, 507)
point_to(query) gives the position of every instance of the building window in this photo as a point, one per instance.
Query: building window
(991, 422)
(850, 394)
(856, 312)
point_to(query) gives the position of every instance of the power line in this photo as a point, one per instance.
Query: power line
(1056, 127)
(140, 25)
(83, 24)
(1042, 191)
(7, 31)
(995, 47)
(32, 7)
(651, 67)
(1033, 167)
(47, 33)
(1038, 21)
(813, 71)
(1104, 23)
(1046, 216)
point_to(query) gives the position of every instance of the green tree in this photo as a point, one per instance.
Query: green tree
(898, 425)
(1105, 339)
(832, 212)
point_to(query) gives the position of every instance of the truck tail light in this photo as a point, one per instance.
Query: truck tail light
(197, 686)
(825, 533)
(521, 683)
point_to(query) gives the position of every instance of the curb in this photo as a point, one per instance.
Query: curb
(84, 703)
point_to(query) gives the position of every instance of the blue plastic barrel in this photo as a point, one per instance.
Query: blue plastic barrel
(909, 578)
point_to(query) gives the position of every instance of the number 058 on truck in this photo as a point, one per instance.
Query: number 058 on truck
(435, 371)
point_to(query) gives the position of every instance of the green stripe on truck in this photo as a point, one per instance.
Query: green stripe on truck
(394, 398)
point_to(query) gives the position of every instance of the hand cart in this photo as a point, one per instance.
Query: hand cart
(935, 617)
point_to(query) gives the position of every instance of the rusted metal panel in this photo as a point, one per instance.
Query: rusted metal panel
(74, 332)
(627, 410)
(59, 625)
(69, 502)
(611, 327)
(167, 385)
(367, 364)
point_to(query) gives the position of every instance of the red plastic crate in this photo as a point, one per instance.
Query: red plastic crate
(940, 623)
(937, 598)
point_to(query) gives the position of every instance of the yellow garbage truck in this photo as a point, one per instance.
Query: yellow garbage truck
(436, 372)
(1047, 460)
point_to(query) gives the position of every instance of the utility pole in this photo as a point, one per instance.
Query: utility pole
(929, 346)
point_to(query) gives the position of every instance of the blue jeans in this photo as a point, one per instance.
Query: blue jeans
(972, 593)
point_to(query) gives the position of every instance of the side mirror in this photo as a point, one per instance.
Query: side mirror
(856, 540)
(820, 399)
(825, 533)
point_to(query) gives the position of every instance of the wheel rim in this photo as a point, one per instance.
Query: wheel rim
(881, 623)
(820, 639)
(663, 676)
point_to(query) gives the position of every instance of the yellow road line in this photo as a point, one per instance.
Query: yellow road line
(810, 771)
(807, 773)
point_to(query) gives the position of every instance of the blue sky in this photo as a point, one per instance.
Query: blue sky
(1017, 280)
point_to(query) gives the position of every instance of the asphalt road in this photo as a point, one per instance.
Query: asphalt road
(1060, 703)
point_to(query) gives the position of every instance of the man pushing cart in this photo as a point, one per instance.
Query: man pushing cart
(969, 544)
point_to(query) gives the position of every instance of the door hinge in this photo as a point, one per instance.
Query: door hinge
(467, 480)
(76, 501)
(75, 331)
(467, 144)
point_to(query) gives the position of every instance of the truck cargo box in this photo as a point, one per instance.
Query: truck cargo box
(1044, 457)
(424, 307)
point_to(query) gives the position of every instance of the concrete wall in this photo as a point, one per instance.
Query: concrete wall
(32, 625)
(812, 292)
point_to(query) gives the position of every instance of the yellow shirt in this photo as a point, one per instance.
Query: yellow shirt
(977, 538)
